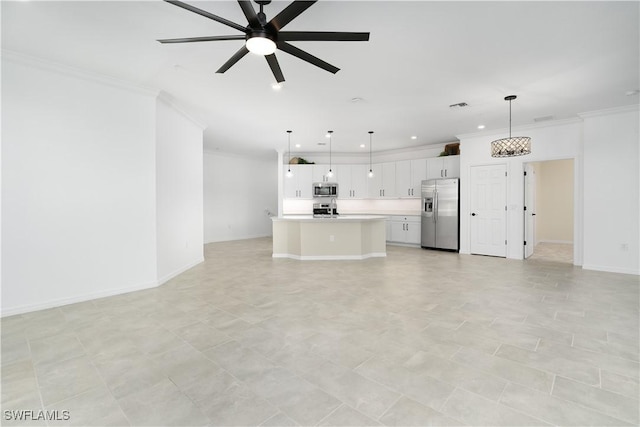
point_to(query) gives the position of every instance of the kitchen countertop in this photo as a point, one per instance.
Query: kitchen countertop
(339, 218)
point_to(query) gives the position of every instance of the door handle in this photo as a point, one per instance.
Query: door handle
(473, 214)
(445, 172)
(435, 206)
(533, 214)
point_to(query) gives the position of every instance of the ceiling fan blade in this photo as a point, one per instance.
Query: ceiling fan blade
(249, 13)
(299, 53)
(328, 36)
(275, 67)
(202, 39)
(290, 13)
(235, 58)
(207, 15)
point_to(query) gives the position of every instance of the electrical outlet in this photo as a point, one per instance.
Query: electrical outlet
(624, 247)
(332, 238)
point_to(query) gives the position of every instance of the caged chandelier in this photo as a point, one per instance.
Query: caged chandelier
(512, 146)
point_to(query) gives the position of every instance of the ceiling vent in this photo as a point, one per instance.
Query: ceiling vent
(459, 105)
(543, 119)
(322, 143)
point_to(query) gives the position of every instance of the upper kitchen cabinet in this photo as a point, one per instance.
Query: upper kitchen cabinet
(409, 176)
(321, 173)
(383, 182)
(298, 186)
(443, 167)
(352, 181)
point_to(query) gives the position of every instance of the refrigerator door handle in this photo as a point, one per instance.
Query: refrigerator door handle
(435, 206)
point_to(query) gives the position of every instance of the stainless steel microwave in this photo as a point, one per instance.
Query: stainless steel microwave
(325, 189)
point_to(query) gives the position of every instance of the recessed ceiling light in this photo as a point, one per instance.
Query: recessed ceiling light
(362, 145)
(480, 126)
(328, 135)
(414, 137)
(276, 86)
(297, 145)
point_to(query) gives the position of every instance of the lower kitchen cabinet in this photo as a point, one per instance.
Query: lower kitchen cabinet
(404, 229)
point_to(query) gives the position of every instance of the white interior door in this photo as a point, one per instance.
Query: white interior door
(529, 209)
(488, 210)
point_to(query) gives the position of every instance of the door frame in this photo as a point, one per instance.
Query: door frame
(577, 204)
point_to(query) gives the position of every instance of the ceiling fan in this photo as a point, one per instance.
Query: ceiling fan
(264, 37)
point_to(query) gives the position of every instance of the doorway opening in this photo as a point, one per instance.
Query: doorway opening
(548, 210)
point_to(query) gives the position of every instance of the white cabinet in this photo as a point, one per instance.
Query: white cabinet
(321, 173)
(383, 182)
(405, 229)
(352, 181)
(443, 167)
(409, 176)
(298, 185)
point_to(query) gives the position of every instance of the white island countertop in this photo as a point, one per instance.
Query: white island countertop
(337, 218)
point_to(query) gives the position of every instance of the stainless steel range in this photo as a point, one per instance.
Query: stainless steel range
(325, 210)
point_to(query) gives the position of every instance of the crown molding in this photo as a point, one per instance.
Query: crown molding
(68, 70)
(610, 111)
(170, 101)
(503, 131)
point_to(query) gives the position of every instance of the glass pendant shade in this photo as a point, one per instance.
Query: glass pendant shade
(512, 146)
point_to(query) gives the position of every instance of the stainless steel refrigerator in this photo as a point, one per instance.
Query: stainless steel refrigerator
(440, 214)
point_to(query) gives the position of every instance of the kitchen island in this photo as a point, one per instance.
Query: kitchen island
(344, 237)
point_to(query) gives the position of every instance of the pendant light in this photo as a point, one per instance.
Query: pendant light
(289, 173)
(330, 173)
(370, 144)
(512, 146)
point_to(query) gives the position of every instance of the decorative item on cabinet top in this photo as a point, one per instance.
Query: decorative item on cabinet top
(300, 161)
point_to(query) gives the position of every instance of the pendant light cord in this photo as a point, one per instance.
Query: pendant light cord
(509, 119)
(289, 164)
(370, 145)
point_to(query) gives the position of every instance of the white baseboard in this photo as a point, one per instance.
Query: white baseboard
(331, 257)
(164, 279)
(609, 269)
(59, 302)
(230, 239)
(407, 245)
(27, 308)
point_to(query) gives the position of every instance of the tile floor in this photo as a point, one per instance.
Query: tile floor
(559, 252)
(419, 338)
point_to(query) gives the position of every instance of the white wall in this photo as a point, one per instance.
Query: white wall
(554, 204)
(558, 140)
(78, 188)
(606, 185)
(612, 189)
(179, 191)
(240, 193)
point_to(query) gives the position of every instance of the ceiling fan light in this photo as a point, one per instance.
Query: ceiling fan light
(261, 45)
